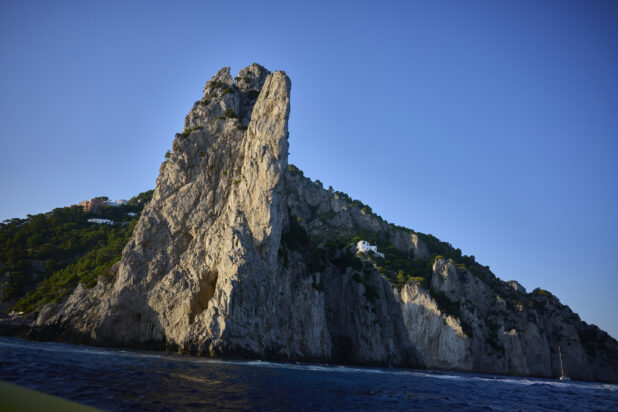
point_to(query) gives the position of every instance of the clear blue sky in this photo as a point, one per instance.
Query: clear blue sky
(490, 124)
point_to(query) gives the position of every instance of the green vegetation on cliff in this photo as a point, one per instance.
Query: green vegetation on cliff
(86, 270)
(54, 251)
(397, 266)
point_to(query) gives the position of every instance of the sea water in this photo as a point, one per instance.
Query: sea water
(114, 379)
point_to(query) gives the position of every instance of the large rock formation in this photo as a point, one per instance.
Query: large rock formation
(458, 315)
(237, 254)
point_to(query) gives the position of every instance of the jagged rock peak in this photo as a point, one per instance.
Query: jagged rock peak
(250, 78)
(222, 76)
(225, 97)
(200, 272)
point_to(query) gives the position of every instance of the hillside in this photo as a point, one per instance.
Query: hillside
(43, 257)
(457, 313)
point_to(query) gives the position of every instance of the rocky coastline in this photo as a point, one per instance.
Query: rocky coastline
(239, 254)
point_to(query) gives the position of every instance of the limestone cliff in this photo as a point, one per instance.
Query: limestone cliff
(457, 314)
(239, 254)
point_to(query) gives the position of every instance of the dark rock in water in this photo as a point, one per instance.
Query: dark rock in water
(19, 325)
(237, 254)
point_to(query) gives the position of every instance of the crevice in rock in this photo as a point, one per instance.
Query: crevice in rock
(205, 292)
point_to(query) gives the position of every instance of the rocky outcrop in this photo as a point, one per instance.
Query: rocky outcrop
(240, 254)
(516, 286)
(509, 331)
(202, 272)
(437, 336)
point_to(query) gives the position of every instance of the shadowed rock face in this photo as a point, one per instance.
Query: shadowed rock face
(223, 262)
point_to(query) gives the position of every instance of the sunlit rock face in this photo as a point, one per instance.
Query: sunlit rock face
(438, 337)
(240, 254)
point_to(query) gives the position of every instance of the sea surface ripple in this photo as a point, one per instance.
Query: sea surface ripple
(114, 379)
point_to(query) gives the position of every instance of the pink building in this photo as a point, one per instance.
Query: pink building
(92, 205)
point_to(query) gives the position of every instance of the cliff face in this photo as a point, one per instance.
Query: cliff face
(237, 255)
(459, 316)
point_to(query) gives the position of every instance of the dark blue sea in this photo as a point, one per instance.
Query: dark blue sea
(114, 379)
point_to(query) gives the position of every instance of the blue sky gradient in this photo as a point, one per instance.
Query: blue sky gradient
(492, 125)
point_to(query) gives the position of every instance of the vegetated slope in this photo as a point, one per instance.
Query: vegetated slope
(43, 257)
(239, 254)
(458, 314)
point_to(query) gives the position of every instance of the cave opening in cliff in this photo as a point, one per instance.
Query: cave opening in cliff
(206, 290)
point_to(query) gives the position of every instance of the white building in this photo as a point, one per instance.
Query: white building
(364, 247)
(101, 221)
(118, 202)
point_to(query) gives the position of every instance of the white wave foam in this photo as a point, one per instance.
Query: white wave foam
(68, 348)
